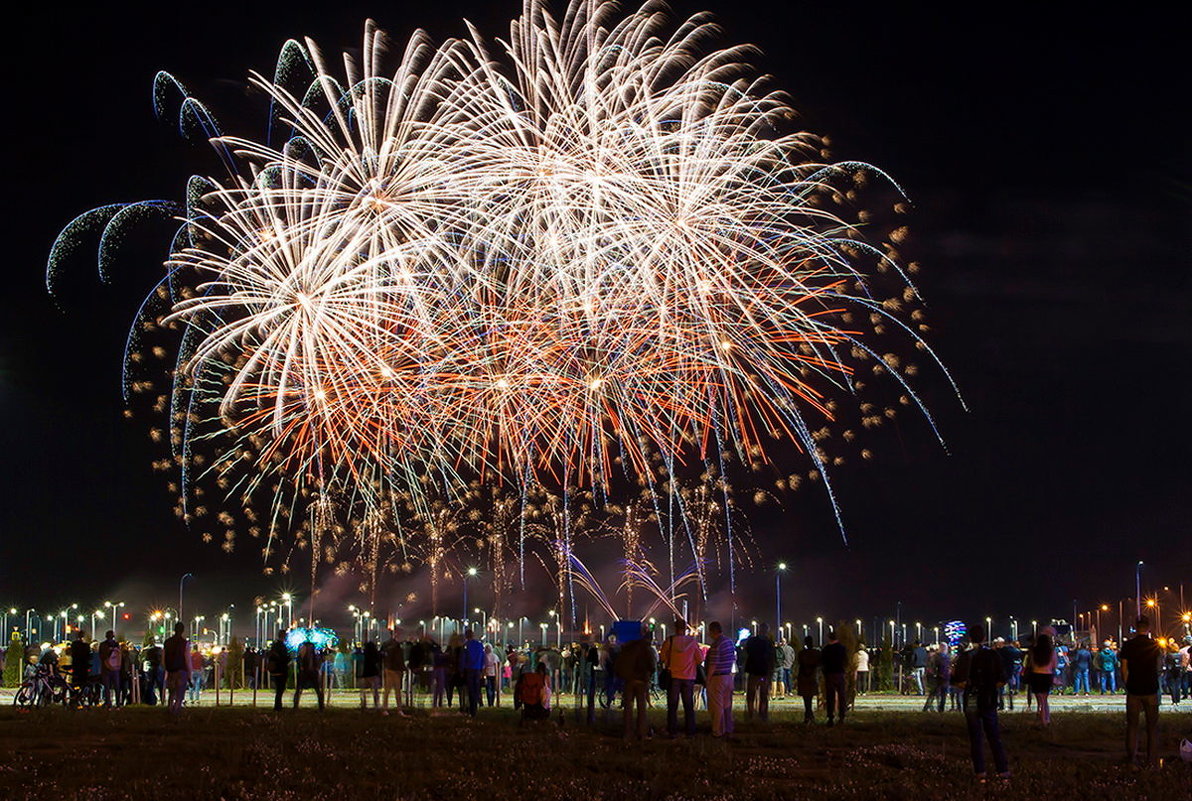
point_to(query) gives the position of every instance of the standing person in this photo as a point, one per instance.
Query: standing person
(588, 658)
(439, 673)
(635, 665)
(80, 660)
(1042, 672)
(718, 666)
(471, 665)
(939, 675)
(759, 666)
(1011, 658)
(278, 663)
(1108, 659)
(1082, 662)
(980, 673)
(395, 670)
(370, 674)
(109, 668)
(807, 682)
(309, 663)
(862, 678)
(177, 665)
(833, 662)
(918, 662)
(492, 664)
(680, 653)
(785, 656)
(1140, 673)
(198, 675)
(155, 677)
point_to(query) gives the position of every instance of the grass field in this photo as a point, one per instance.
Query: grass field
(344, 753)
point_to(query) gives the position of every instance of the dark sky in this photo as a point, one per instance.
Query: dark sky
(1047, 154)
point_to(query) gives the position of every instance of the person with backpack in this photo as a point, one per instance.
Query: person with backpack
(370, 674)
(531, 694)
(1108, 662)
(277, 661)
(680, 654)
(759, 668)
(807, 679)
(395, 670)
(309, 663)
(980, 674)
(635, 665)
(109, 669)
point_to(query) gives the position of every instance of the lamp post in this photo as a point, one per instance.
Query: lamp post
(483, 617)
(988, 628)
(820, 621)
(858, 622)
(28, 638)
(471, 572)
(181, 584)
(98, 613)
(543, 627)
(778, 595)
(1138, 587)
(113, 605)
(288, 600)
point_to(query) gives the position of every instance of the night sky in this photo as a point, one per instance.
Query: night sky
(1047, 156)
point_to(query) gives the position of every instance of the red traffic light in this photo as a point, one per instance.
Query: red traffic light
(127, 616)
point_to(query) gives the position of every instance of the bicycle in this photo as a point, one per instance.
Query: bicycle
(41, 689)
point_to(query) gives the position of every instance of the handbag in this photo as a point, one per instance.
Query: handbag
(664, 679)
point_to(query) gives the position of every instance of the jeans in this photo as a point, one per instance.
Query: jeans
(197, 680)
(862, 681)
(684, 690)
(918, 675)
(369, 683)
(982, 725)
(490, 684)
(835, 695)
(1108, 680)
(279, 688)
(636, 691)
(937, 696)
(1134, 705)
(757, 696)
(111, 687)
(472, 681)
(310, 681)
(1080, 679)
(176, 681)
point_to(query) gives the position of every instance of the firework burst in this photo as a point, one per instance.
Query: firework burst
(590, 258)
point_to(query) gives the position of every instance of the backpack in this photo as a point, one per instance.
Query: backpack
(532, 687)
(114, 659)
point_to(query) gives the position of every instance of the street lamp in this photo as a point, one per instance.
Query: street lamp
(113, 605)
(288, 600)
(1138, 587)
(181, 583)
(988, 628)
(820, 621)
(543, 627)
(471, 572)
(778, 594)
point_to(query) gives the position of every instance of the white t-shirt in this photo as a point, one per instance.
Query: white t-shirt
(490, 664)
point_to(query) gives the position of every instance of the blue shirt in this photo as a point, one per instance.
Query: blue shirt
(471, 656)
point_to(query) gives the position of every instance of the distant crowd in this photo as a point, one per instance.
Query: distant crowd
(976, 677)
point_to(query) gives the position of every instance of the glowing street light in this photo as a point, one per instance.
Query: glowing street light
(113, 605)
(778, 595)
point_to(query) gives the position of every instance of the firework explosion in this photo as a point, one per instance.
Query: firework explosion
(594, 261)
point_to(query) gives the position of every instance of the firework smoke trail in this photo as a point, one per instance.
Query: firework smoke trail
(508, 264)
